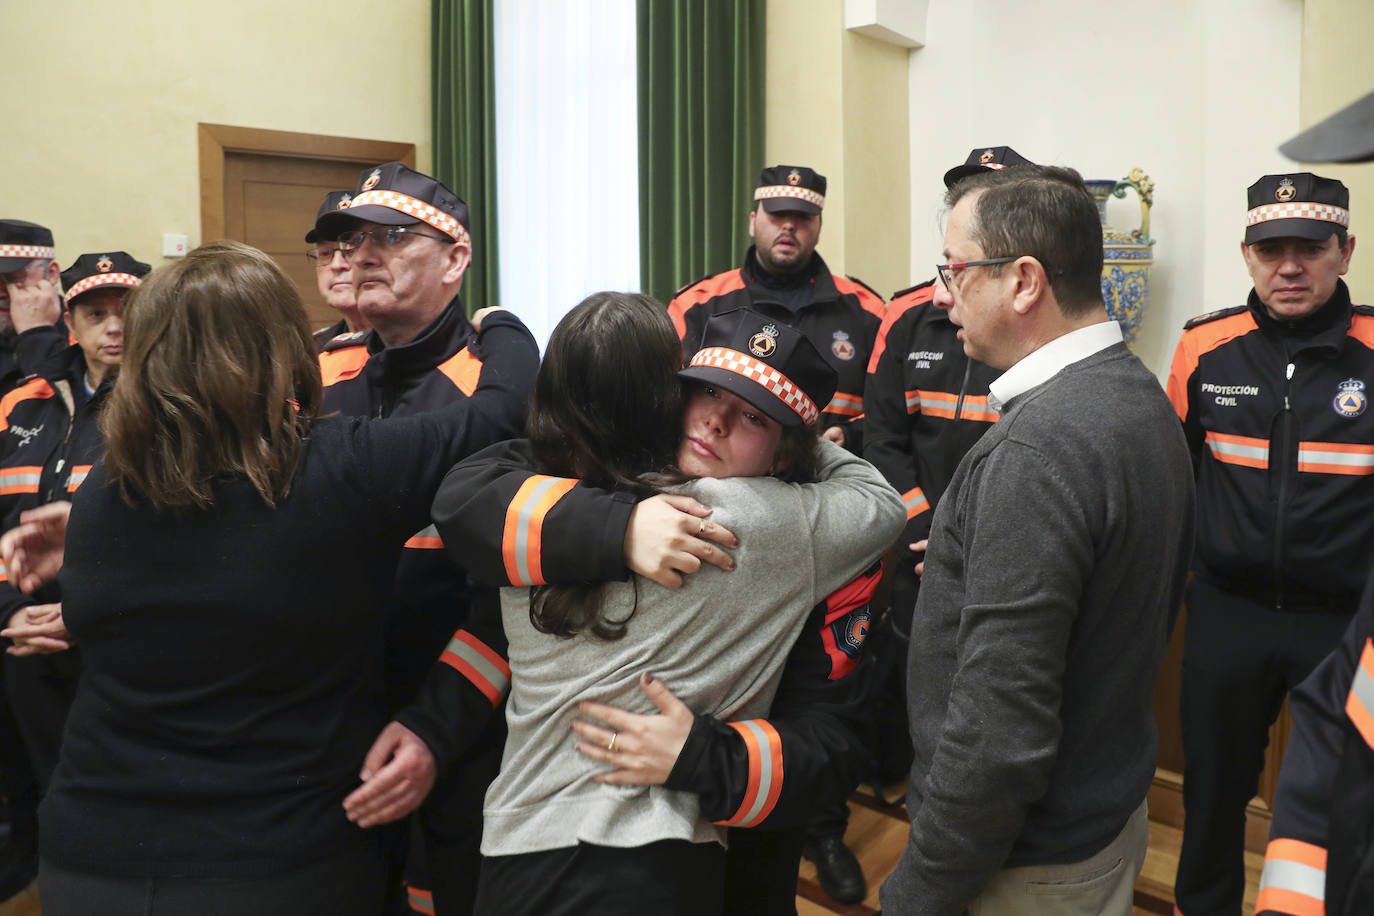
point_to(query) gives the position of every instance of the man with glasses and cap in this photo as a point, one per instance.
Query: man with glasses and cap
(786, 279)
(1273, 396)
(30, 300)
(405, 239)
(925, 405)
(333, 276)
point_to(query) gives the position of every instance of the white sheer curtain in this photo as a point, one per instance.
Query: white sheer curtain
(567, 151)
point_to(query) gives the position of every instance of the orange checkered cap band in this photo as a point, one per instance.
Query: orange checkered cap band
(395, 200)
(42, 252)
(95, 280)
(1324, 212)
(787, 190)
(777, 384)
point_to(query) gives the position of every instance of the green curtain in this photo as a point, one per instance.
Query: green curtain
(700, 136)
(463, 100)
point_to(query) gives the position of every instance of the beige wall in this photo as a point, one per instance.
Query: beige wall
(1337, 69)
(107, 153)
(837, 102)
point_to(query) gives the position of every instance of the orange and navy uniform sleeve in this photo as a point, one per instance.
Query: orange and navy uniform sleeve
(465, 689)
(1328, 764)
(509, 525)
(687, 311)
(769, 772)
(889, 410)
(1200, 336)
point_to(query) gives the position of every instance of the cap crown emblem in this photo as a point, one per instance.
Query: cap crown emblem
(1285, 191)
(372, 180)
(104, 265)
(986, 157)
(764, 342)
(346, 201)
(794, 177)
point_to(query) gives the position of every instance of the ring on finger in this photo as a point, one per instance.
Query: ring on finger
(611, 746)
(701, 527)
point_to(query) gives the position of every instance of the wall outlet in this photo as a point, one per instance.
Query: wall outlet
(173, 246)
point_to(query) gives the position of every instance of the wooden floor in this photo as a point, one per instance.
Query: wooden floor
(878, 836)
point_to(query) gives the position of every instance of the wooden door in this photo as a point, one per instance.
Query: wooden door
(262, 187)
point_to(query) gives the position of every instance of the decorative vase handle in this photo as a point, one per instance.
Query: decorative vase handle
(1144, 188)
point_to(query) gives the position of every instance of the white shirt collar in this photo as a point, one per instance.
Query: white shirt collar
(1043, 364)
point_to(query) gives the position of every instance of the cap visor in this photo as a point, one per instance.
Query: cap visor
(1346, 136)
(959, 172)
(332, 225)
(1316, 230)
(8, 265)
(781, 204)
(747, 389)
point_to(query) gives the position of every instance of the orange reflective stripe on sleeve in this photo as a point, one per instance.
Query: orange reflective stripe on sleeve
(1335, 458)
(916, 502)
(946, 404)
(79, 473)
(341, 364)
(19, 480)
(700, 292)
(34, 388)
(4, 572)
(898, 307)
(521, 544)
(765, 772)
(1294, 879)
(1359, 703)
(479, 663)
(1244, 451)
(421, 901)
(849, 405)
(463, 369)
(426, 539)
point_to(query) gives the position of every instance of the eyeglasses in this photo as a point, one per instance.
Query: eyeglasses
(946, 271)
(384, 237)
(323, 255)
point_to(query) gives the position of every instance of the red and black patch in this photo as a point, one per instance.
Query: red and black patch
(847, 614)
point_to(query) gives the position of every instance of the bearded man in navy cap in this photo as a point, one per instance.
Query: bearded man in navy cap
(30, 300)
(406, 241)
(1274, 399)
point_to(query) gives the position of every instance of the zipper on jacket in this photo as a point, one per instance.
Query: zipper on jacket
(1287, 461)
(963, 390)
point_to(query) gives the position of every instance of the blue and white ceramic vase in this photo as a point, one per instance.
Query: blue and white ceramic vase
(1126, 256)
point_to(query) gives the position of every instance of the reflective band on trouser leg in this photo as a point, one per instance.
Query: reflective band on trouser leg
(1294, 879)
(420, 901)
(521, 545)
(765, 772)
(476, 661)
(1359, 704)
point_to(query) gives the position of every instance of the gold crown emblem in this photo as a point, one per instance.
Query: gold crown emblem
(1285, 191)
(794, 177)
(986, 157)
(104, 265)
(372, 180)
(344, 203)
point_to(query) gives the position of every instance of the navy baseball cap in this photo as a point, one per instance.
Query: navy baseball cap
(334, 200)
(393, 194)
(982, 159)
(772, 366)
(1297, 205)
(22, 242)
(790, 187)
(96, 271)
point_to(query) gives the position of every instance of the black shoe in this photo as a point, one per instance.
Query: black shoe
(841, 877)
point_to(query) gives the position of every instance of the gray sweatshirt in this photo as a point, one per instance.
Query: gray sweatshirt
(718, 643)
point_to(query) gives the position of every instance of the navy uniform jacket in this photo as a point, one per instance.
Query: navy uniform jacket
(841, 319)
(925, 404)
(49, 439)
(430, 617)
(1320, 857)
(22, 354)
(1277, 417)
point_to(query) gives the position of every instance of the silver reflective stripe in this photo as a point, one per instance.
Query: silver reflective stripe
(766, 774)
(945, 403)
(912, 400)
(481, 664)
(522, 530)
(14, 480)
(430, 532)
(1363, 689)
(1349, 459)
(1239, 451)
(1292, 876)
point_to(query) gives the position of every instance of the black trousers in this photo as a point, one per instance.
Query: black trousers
(1240, 659)
(761, 872)
(667, 878)
(41, 689)
(346, 885)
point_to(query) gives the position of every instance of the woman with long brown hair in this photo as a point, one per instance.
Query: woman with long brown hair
(224, 570)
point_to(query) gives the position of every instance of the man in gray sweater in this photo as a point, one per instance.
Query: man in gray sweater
(1055, 565)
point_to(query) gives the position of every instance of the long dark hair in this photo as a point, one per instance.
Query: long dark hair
(219, 377)
(607, 409)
